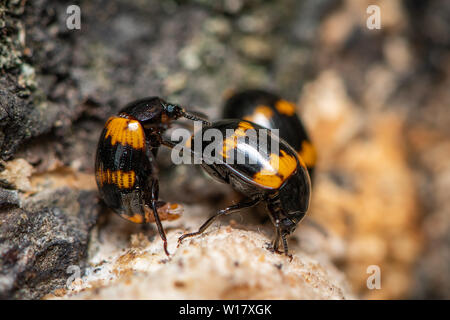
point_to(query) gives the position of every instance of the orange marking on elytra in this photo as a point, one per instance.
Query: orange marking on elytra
(122, 179)
(125, 131)
(263, 110)
(279, 169)
(285, 107)
(308, 154)
(245, 125)
(230, 143)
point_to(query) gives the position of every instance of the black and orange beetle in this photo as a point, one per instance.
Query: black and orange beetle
(125, 165)
(270, 111)
(276, 176)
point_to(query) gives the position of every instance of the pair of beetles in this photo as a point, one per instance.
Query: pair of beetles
(125, 167)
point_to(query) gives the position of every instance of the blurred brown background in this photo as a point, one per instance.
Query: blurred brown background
(376, 102)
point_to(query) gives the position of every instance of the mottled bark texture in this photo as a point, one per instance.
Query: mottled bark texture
(375, 102)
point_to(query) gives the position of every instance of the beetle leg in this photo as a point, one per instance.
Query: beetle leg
(274, 247)
(153, 201)
(276, 241)
(226, 211)
(151, 196)
(275, 217)
(285, 246)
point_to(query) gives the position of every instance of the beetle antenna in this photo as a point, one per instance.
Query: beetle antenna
(195, 117)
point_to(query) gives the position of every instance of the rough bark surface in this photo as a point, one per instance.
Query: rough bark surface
(375, 102)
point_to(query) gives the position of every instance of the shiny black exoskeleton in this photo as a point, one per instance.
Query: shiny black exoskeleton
(262, 167)
(271, 111)
(125, 165)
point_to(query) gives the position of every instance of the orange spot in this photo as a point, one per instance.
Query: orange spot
(230, 143)
(265, 111)
(124, 180)
(125, 131)
(279, 169)
(188, 143)
(308, 154)
(285, 107)
(245, 125)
